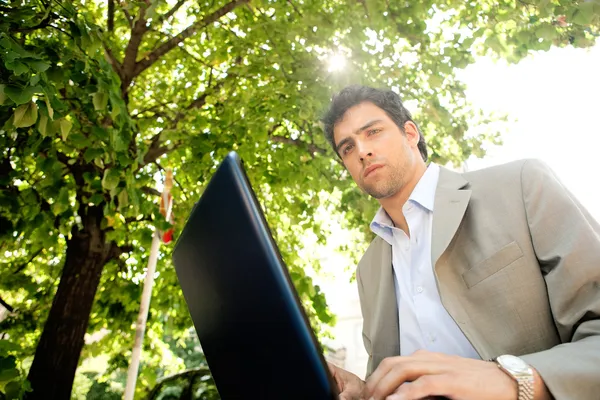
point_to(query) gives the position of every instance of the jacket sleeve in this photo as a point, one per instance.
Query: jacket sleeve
(566, 241)
(365, 314)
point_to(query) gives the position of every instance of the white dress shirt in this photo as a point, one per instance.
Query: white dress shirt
(424, 322)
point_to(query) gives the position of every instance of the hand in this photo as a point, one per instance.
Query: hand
(350, 386)
(426, 374)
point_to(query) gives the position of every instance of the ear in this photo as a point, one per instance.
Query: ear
(412, 133)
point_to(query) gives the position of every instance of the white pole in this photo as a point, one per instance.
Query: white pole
(140, 325)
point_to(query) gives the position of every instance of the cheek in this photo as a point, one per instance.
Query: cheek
(354, 169)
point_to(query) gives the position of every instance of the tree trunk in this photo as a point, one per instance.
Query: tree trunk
(57, 354)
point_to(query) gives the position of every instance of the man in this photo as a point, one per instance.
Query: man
(482, 285)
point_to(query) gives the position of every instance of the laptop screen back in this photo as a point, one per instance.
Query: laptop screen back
(254, 333)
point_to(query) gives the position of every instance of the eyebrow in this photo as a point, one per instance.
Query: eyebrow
(356, 132)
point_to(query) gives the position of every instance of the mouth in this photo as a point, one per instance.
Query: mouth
(370, 169)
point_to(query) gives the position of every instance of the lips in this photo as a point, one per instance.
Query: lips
(371, 168)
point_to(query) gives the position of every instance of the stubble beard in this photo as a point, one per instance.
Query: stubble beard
(393, 183)
(386, 187)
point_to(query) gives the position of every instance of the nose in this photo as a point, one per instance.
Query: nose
(364, 151)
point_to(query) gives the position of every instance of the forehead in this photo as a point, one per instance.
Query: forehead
(356, 117)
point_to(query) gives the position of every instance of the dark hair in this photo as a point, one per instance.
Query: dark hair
(387, 100)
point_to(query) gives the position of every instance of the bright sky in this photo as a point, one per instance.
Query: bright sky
(553, 100)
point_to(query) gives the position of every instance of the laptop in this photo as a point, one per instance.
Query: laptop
(253, 330)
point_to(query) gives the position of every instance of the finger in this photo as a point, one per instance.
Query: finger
(424, 387)
(399, 374)
(384, 367)
(332, 368)
(390, 362)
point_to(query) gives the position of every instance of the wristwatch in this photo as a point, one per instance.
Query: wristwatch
(520, 371)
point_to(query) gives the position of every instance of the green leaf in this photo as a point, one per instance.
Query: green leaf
(546, 32)
(523, 37)
(114, 113)
(111, 178)
(35, 79)
(100, 100)
(8, 369)
(17, 67)
(50, 109)
(3, 96)
(79, 141)
(39, 66)
(584, 14)
(12, 390)
(123, 199)
(6, 346)
(121, 143)
(43, 125)
(21, 95)
(25, 115)
(91, 153)
(56, 75)
(61, 203)
(494, 43)
(134, 199)
(96, 198)
(435, 81)
(65, 127)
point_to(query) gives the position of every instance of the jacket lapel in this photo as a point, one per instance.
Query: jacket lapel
(448, 210)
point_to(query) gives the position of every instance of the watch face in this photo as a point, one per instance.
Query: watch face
(513, 364)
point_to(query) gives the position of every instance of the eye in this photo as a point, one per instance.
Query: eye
(373, 131)
(347, 149)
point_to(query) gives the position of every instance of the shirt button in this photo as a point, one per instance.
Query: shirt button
(419, 289)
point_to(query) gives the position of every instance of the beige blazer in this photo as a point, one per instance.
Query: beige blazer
(517, 264)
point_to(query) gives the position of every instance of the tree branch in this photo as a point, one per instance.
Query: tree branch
(22, 266)
(167, 46)
(127, 15)
(112, 60)
(130, 220)
(154, 153)
(116, 250)
(170, 13)
(295, 8)
(190, 374)
(151, 191)
(42, 24)
(154, 110)
(298, 143)
(131, 51)
(6, 305)
(310, 147)
(110, 17)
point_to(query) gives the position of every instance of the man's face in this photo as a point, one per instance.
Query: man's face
(378, 155)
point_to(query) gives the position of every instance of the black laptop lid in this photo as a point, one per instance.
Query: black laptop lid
(253, 330)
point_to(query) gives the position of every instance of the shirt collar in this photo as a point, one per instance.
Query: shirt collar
(423, 194)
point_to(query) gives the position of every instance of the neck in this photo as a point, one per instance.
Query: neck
(393, 204)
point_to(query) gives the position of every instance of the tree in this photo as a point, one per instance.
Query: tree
(96, 99)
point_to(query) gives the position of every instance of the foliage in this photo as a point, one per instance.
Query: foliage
(13, 384)
(96, 99)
